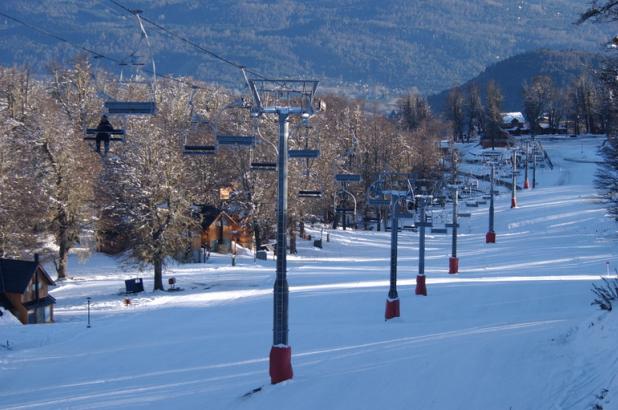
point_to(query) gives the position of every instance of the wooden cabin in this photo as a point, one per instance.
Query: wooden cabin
(219, 230)
(24, 287)
(503, 140)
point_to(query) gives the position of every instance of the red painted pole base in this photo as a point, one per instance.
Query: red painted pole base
(280, 364)
(421, 288)
(490, 237)
(526, 184)
(513, 202)
(453, 265)
(392, 309)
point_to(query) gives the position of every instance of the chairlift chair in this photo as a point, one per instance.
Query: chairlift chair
(263, 166)
(236, 140)
(116, 135)
(347, 178)
(199, 150)
(144, 49)
(309, 194)
(304, 153)
(131, 107)
(233, 137)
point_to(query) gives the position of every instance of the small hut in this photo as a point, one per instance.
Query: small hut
(24, 290)
(219, 230)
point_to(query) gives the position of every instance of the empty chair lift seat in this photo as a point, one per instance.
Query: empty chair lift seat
(131, 107)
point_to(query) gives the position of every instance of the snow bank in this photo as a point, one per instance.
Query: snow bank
(7, 319)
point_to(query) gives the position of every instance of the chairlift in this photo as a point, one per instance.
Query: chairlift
(194, 143)
(309, 194)
(263, 166)
(260, 159)
(226, 125)
(116, 134)
(199, 150)
(304, 153)
(236, 140)
(131, 107)
(143, 107)
(347, 178)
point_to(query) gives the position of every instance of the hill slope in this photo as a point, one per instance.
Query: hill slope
(561, 66)
(514, 329)
(430, 45)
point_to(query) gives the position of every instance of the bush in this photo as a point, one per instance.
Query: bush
(606, 294)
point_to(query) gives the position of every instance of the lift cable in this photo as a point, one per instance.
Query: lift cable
(96, 54)
(189, 42)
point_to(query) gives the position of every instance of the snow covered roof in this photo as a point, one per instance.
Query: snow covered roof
(508, 117)
(16, 274)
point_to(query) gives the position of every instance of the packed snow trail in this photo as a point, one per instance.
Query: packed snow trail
(506, 332)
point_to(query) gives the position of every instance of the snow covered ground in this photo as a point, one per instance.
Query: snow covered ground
(513, 330)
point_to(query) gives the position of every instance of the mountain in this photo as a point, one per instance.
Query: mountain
(391, 44)
(561, 66)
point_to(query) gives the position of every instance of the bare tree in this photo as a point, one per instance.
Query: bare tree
(475, 112)
(148, 185)
(537, 97)
(21, 206)
(70, 170)
(600, 11)
(494, 113)
(456, 113)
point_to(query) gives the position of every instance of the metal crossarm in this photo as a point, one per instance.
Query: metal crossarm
(294, 96)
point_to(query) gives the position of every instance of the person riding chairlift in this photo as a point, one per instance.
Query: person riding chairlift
(103, 134)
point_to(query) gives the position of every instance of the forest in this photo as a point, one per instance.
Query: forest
(143, 194)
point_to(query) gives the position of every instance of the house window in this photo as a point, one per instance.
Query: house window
(32, 316)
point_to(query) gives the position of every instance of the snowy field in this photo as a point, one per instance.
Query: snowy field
(513, 330)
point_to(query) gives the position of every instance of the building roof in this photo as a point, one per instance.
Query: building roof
(508, 117)
(209, 214)
(42, 302)
(15, 275)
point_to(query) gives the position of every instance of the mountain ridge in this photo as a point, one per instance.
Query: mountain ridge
(397, 44)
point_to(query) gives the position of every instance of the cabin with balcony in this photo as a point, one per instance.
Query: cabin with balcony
(24, 291)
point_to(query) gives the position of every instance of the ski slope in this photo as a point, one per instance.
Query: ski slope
(513, 330)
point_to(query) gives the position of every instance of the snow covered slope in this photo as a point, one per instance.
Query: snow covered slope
(513, 330)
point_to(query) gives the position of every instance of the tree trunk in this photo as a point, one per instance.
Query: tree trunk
(63, 254)
(158, 273)
(292, 236)
(257, 235)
